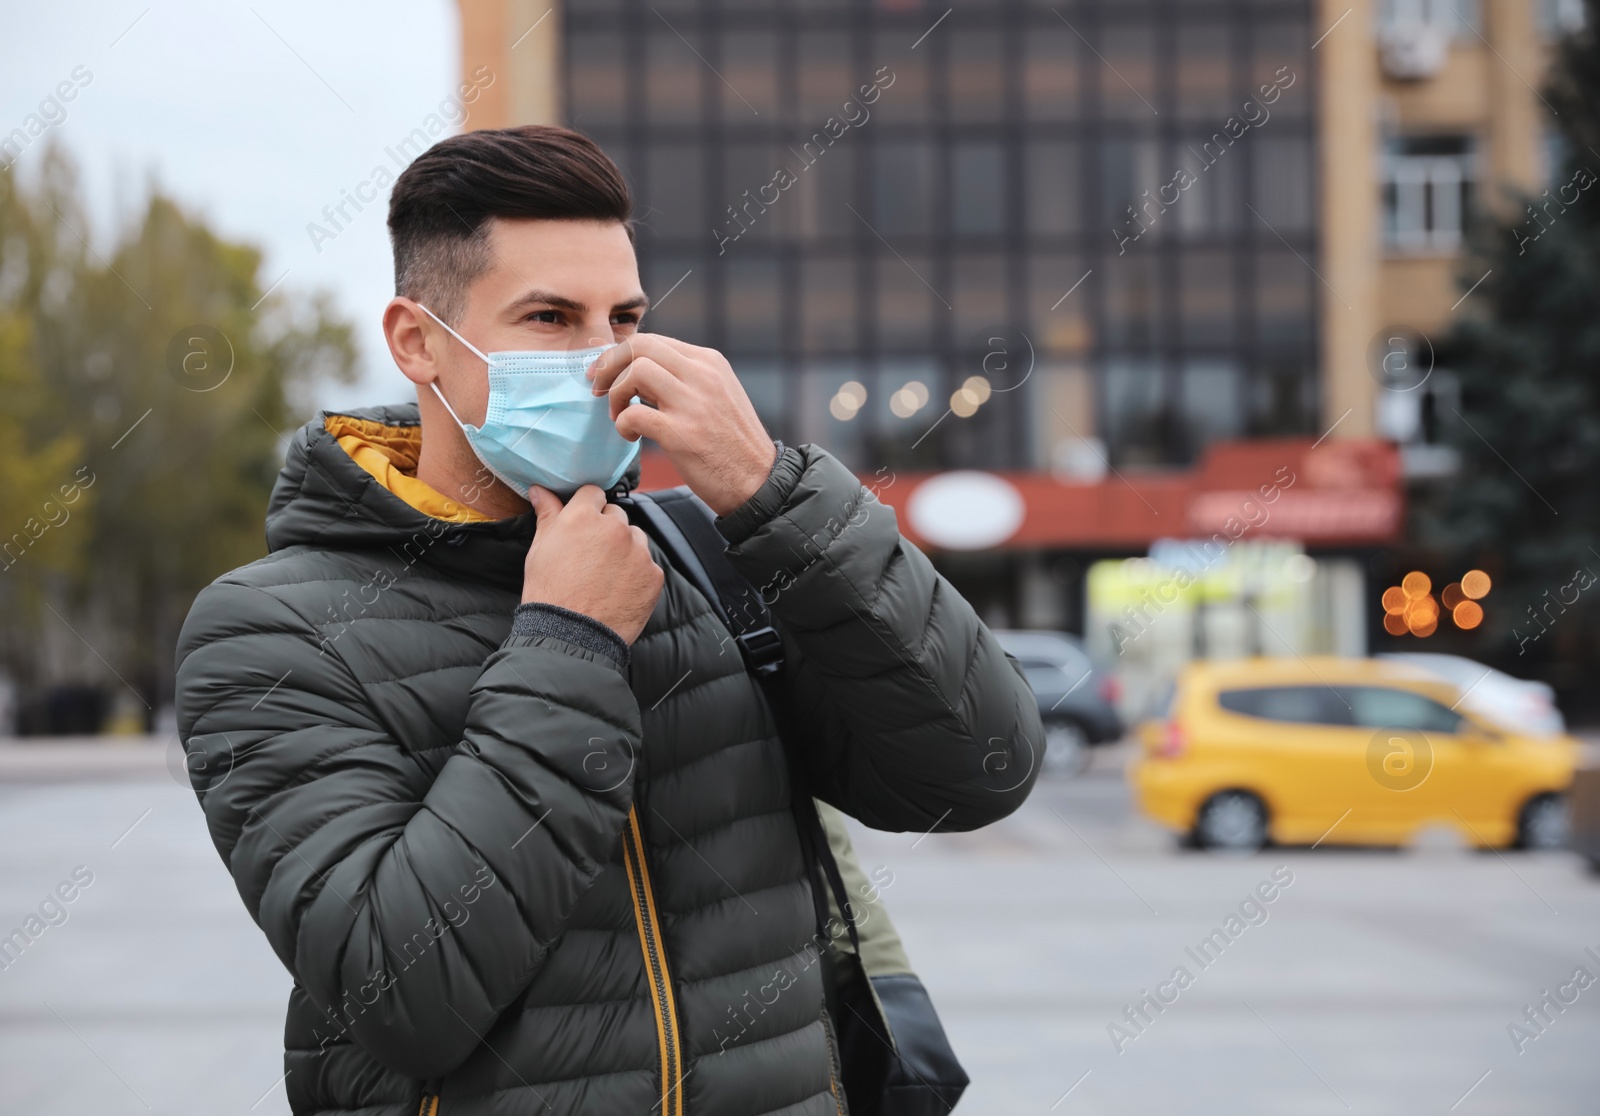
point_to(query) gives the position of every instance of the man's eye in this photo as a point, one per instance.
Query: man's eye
(630, 318)
(545, 317)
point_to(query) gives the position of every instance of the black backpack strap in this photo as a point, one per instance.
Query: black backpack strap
(738, 602)
(685, 528)
(887, 1069)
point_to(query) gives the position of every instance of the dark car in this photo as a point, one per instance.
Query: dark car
(1076, 702)
(1584, 815)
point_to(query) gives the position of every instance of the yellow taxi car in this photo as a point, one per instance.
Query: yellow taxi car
(1351, 751)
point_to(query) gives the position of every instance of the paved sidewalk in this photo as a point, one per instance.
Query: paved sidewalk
(1384, 981)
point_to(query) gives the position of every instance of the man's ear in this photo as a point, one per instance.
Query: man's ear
(407, 330)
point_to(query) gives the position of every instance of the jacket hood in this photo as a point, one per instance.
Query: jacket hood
(324, 499)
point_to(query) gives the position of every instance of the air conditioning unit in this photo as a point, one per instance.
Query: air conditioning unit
(1413, 50)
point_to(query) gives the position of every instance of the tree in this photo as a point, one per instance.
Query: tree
(166, 386)
(1527, 351)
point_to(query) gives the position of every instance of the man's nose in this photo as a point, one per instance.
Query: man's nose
(598, 332)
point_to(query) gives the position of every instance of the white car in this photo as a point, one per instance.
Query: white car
(1526, 708)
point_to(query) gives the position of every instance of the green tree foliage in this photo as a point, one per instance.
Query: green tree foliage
(1527, 351)
(158, 379)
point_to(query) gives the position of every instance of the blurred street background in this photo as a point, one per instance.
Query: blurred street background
(1231, 356)
(1381, 981)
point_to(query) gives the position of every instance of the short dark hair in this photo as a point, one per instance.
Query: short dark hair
(440, 206)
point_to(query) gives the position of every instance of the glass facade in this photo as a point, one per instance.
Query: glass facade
(1033, 194)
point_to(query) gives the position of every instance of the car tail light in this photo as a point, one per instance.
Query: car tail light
(1110, 689)
(1172, 743)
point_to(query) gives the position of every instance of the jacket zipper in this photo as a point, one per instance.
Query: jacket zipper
(655, 963)
(430, 1105)
(834, 1084)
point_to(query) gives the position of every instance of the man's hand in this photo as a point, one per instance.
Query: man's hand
(587, 558)
(697, 412)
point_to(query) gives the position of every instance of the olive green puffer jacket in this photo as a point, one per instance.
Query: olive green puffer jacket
(512, 874)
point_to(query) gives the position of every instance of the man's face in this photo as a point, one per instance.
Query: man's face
(549, 285)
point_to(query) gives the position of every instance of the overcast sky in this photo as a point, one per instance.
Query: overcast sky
(254, 115)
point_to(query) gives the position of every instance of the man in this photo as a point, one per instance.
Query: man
(496, 785)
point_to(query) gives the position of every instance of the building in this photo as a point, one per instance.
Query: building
(1088, 248)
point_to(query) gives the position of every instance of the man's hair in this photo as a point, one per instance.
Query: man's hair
(441, 204)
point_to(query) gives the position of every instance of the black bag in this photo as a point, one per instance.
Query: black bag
(897, 1060)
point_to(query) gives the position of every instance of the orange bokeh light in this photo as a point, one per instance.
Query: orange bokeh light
(1467, 614)
(1476, 584)
(1423, 611)
(1416, 584)
(1452, 595)
(1395, 624)
(1424, 629)
(1394, 600)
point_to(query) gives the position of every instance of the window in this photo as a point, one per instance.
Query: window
(1214, 199)
(765, 385)
(1206, 295)
(980, 188)
(1053, 678)
(1380, 707)
(684, 313)
(1560, 17)
(1058, 321)
(1211, 404)
(748, 171)
(1128, 78)
(1130, 302)
(1054, 179)
(1205, 88)
(825, 191)
(1428, 183)
(1282, 191)
(1050, 74)
(1300, 705)
(824, 71)
(1457, 17)
(1129, 186)
(828, 318)
(672, 81)
(753, 297)
(1284, 299)
(978, 295)
(1133, 410)
(902, 187)
(904, 84)
(750, 65)
(905, 303)
(676, 196)
(598, 81)
(977, 75)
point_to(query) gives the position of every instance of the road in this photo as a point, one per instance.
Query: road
(1378, 982)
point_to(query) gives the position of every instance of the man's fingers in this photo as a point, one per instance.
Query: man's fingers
(615, 512)
(675, 356)
(649, 381)
(546, 504)
(588, 498)
(639, 421)
(610, 364)
(682, 348)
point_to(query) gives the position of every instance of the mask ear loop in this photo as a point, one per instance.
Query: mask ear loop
(434, 384)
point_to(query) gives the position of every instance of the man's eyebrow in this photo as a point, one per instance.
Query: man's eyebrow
(545, 298)
(561, 302)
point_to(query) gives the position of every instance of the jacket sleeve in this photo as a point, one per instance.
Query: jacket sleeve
(909, 714)
(411, 895)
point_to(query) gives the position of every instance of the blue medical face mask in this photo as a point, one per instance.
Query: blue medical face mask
(545, 425)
